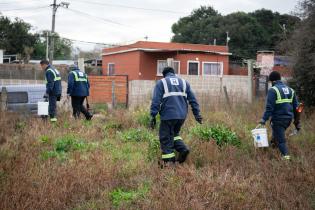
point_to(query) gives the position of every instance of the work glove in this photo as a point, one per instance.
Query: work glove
(45, 96)
(198, 119)
(152, 122)
(261, 123)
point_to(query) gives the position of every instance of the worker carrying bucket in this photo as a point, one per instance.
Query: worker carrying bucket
(281, 107)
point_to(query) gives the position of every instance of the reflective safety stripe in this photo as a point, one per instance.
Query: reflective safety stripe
(285, 100)
(177, 138)
(168, 94)
(77, 78)
(53, 119)
(56, 78)
(166, 156)
(287, 157)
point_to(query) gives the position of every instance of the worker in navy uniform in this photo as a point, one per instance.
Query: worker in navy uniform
(170, 99)
(78, 89)
(281, 104)
(53, 88)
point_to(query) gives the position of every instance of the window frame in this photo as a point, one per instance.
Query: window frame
(157, 67)
(193, 61)
(212, 75)
(108, 69)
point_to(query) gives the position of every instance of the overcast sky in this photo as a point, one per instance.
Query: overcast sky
(124, 21)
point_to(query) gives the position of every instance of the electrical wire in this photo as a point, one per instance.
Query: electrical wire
(129, 7)
(95, 17)
(24, 1)
(25, 8)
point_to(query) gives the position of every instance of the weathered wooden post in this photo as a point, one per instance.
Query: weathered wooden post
(250, 80)
(113, 95)
(4, 98)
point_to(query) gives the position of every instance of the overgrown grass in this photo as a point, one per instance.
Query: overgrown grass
(219, 133)
(111, 163)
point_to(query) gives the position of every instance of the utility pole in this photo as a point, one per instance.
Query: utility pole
(52, 34)
(227, 38)
(47, 35)
(250, 64)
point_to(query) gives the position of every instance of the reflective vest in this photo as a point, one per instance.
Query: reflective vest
(285, 91)
(55, 73)
(174, 81)
(79, 76)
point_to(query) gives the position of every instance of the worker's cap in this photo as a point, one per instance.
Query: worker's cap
(73, 67)
(44, 61)
(274, 76)
(167, 70)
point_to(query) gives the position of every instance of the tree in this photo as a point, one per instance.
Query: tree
(249, 32)
(62, 49)
(15, 37)
(301, 46)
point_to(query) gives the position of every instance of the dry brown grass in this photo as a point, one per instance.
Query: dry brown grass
(212, 178)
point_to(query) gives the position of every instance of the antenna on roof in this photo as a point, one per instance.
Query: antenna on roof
(146, 38)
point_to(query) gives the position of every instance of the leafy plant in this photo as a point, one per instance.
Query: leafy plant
(44, 139)
(219, 133)
(143, 117)
(119, 195)
(65, 144)
(153, 149)
(112, 125)
(137, 135)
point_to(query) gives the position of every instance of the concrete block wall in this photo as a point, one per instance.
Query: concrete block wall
(140, 92)
(205, 88)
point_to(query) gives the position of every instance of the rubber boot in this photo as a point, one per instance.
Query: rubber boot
(182, 156)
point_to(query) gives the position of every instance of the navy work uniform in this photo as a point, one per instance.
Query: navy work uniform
(78, 89)
(53, 90)
(280, 105)
(170, 99)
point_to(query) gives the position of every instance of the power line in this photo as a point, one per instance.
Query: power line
(25, 8)
(96, 17)
(130, 7)
(13, 2)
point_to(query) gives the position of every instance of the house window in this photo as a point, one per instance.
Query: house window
(111, 69)
(193, 68)
(161, 64)
(212, 68)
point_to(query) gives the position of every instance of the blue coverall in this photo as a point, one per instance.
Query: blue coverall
(280, 105)
(170, 99)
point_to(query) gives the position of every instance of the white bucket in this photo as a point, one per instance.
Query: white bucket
(42, 108)
(260, 137)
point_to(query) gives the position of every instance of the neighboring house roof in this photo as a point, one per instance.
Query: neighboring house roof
(167, 47)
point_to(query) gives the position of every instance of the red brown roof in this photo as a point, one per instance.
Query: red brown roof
(166, 46)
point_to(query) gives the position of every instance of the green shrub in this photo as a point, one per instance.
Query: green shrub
(153, 151)
(65, 144)
(112, 125)
(137, 135)
(119, 195)
(219, 133)
(142, 118)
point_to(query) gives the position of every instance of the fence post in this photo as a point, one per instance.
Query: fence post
(113, 95)
(227, 96)
(250, 80)
(4, 98)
